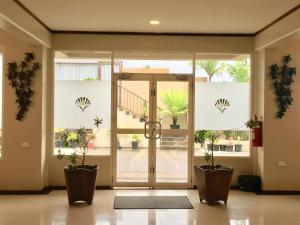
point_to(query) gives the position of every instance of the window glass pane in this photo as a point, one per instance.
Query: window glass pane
(140, 62)
(82, 93)
(222, 102)
(132, 158)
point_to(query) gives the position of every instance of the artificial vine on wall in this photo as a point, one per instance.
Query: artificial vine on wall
(20, 78)
(282, 78)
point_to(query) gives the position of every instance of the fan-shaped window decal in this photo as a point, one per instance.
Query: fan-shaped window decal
(82, 103)
(222, 104)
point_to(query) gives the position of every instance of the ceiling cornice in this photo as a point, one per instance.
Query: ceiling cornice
(278, 19)
(153, 33)
(297, 7)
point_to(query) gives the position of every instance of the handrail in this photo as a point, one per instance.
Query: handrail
(133, 103)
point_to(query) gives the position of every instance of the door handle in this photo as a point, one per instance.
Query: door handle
(153, 130)
(145, 130)
(159, 126)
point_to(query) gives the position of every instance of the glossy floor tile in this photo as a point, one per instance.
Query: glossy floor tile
(242, 209)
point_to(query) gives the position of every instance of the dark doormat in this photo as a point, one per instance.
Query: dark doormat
(152, 202)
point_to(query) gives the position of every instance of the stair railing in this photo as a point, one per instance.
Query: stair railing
(133, 103)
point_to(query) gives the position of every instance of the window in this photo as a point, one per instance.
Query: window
(141, 62)
(82, 93)
(222, 102)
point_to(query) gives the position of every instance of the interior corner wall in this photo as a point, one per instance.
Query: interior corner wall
(258, 108)
(281, 136)
(20, 168)
(45, 115)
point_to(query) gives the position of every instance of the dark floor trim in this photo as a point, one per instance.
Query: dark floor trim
(278, 193)
(44, 191)
(48, 189)
(55, 188)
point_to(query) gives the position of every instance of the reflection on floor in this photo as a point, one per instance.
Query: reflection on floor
(242, 209)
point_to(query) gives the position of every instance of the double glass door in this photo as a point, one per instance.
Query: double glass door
(152, 130)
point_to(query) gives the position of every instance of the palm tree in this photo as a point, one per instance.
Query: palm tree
(240, 71)
(176, 103)
(211, 67)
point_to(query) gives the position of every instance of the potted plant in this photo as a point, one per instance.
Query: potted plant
(80, 178)
(144, 116)
(135, 140)
(238, 145)
(91, 142)
(252, 123)
(176, 103)
(229, 148)
(213, 181)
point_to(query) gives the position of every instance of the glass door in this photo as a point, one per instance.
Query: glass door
(152, 132)
(173, 111)
(132, 147)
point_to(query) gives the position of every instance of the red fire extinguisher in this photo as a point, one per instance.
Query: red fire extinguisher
(257, 134)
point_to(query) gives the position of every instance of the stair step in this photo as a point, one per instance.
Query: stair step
(174, 139)
(173, 144)
(173, 148)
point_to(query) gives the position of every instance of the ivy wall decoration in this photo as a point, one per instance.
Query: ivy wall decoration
(20, 78)
(282, 78)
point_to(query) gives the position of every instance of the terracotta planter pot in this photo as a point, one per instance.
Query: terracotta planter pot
(213, 185)
(81, 183)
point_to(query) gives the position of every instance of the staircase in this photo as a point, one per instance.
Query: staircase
(178, 142)
(132, 104)
(137, 107)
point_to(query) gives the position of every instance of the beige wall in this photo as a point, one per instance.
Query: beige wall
(21, 168)
(202, 44)
(281, 136)
(36, 167)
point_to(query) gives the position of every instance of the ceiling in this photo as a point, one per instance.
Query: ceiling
(185, 16)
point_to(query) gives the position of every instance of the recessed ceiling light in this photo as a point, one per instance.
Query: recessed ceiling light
(154, 22)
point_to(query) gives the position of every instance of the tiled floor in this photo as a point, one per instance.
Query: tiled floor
(242, 209)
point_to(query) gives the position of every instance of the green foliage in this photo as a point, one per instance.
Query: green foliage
(228, 133)
(90, 78)
(282, 80)
(176, 103)
(240, 71)
(97, 121)
(207, 156)
(200, 137)
(136, 138)
(20, 78)
(77, 140)
(251, 123)
(211, 67)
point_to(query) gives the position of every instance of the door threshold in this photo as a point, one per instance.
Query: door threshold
(131, 188)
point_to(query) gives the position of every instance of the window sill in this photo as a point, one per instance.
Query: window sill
(91, 152)
(225, 154)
